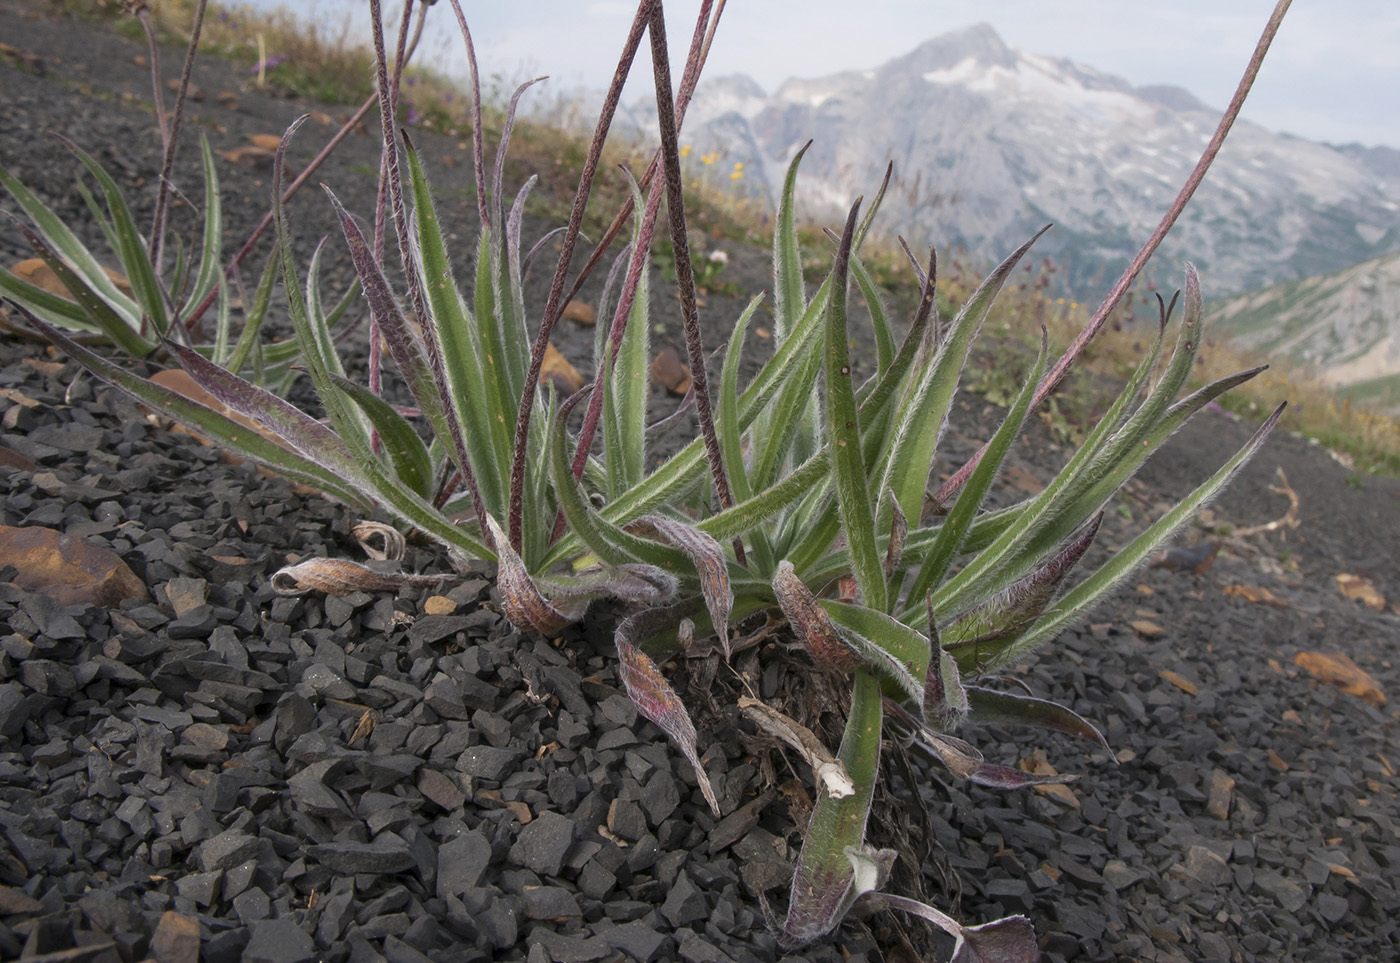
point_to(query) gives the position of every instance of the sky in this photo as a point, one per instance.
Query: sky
(1333, 73)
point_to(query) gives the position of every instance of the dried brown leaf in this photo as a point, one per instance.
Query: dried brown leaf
(825, 766)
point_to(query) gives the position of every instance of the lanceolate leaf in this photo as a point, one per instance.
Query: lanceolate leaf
(707, 556)
(477, 387)
(825, 875)
(989, 707)
(237, 438)
(847, 461)
(521, 599)
(59, 235)
(296, 429)
(656, 700)
(98, 312)
(210, 253)
(405, 449)
(889, 647)
(924, 410)
(1000, 619)
(135, 262)
(789, 300)
(1074, 603)
(950, 537)
(810, 623)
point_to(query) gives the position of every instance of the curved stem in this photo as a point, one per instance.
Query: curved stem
(1057, 372)
(554, 304)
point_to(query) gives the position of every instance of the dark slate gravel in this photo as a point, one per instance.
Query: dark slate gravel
(195, 763)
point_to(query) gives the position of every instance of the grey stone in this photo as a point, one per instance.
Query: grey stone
(638, 939)
(1290, 895)
(685, 904)
(543, 845)
(203, 888)
(226, 850)
(549, 903)
(278, 941)
(462, 862)
(387, 854)
(487, 762)
(1332, 908)
(1204, 864)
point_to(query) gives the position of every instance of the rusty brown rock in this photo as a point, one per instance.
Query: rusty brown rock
(670, 372)
(1338, 669)
(580, 313)
(35, 271)
(1361, 589)
(557, 369)
(13, 459)
(67, 569)
(176, 939)
(1222, 787)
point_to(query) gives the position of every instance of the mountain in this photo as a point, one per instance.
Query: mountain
(1346, 325)
(990, 143)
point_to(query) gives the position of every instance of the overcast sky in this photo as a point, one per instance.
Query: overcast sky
(1333, 73)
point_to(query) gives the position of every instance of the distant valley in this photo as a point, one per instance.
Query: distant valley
(990, 143)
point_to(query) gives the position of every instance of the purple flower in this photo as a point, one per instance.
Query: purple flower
(268, 64)
(413, 116)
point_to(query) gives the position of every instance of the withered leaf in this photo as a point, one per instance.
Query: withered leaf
(825, 766)
(656, 700)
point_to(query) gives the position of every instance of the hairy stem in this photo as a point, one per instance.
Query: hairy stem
(417, 297)
(170, 135)
(554, 304)
(680, 244)
(478, 144)
(638, 261)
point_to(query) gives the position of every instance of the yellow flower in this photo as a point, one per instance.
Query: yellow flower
(685, 150)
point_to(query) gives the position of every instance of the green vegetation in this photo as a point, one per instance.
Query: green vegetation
(804, 492)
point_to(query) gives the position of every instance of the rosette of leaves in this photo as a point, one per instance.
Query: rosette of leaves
(915, 601)
(804, 491)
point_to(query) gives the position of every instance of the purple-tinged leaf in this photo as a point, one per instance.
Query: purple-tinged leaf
(655, 698)
(895, 651)
(823, 886)
(810, 622)
(945, 699)
(708, 558)
(963, 759)
(634, 582)
(293, 427)
(1010, 939)
(899, 533)
(521, 599)
(338, 576)
(1004, 708)
(1013, 610)
(826, 767)
(402, 339)
(204, 420)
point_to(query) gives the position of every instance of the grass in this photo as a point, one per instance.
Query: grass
(316, 60)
